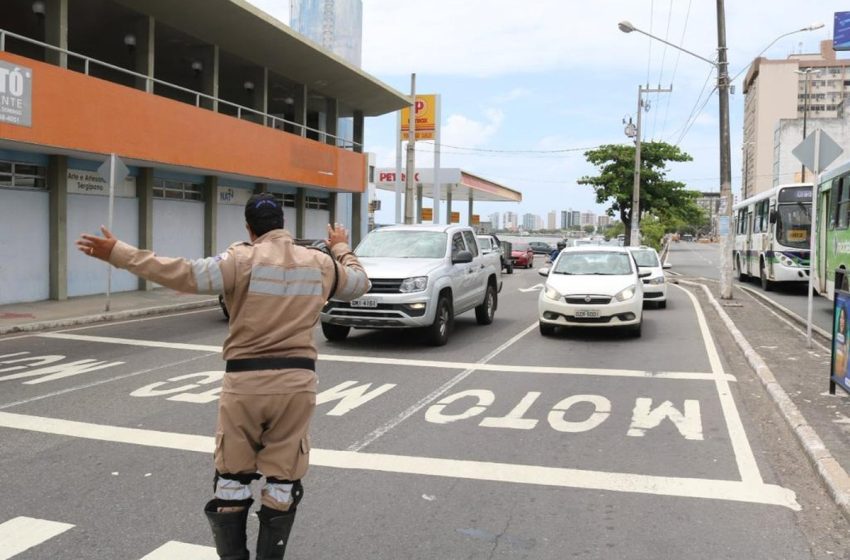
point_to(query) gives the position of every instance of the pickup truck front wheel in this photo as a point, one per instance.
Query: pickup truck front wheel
(438, 332)
(335, 333)
(484, 313)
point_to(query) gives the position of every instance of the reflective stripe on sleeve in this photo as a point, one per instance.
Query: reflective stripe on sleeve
(279, 281)
(356, 284)
(208, 275)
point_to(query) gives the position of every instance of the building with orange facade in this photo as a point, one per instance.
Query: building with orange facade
(205, 101)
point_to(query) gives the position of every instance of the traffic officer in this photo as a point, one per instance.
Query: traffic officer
(274, 290)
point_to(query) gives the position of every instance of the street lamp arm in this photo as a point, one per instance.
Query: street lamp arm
(812, 27)
(627, 27)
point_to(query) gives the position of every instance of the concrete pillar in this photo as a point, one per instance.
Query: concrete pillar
(210, 213)
(56, 32)
(359, 201)
(57, 181)
(332, 208)
(145, 41)
(470, 210)
(448, 204)
(260, 188)
(144, 191)
(209, 76)
(262, 96)
(301, 109)
(418, 204)
(300, 213)
(332, 121)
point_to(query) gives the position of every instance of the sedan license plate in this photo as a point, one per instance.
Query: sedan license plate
(587, 314)
(371, 303)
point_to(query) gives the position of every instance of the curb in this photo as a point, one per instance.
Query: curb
(105, 317)
(834, 477)
(787, 312)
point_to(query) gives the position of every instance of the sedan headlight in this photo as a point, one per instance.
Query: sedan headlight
(415, 284)
(628, 293)
(656, 280)
(552, 293)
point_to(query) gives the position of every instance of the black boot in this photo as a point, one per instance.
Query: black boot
(228, 530)
(274, 533)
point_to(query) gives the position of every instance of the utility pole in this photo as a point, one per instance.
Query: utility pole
(410, 179)
(634, 232)
(725, 219)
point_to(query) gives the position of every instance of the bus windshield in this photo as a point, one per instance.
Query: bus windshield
(793, 225)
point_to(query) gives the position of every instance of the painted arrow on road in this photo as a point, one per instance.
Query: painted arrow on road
(533, 288)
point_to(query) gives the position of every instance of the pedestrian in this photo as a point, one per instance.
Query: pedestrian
(274, 291)
(557, 250)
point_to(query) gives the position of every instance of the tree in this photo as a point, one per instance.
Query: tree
(588, 229)
(614, 184)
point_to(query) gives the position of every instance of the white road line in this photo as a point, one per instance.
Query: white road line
(781, 318)
(747, 466)
(477, 366)
(434, 395)
(737, 491)
(183, 551)
(22, 533)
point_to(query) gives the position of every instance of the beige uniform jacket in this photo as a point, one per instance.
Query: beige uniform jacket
(274, 290)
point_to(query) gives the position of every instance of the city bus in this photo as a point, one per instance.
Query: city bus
(832, 231)
(772, 235)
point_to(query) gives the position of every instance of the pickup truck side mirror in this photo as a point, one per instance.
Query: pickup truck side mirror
(462, 257)
(642, 273)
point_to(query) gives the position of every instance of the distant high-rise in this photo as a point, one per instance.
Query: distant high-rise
(494, 220)
(552, 220)
(565, 218)
(336, 25)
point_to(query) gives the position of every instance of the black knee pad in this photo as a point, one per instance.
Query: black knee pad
(244, 478)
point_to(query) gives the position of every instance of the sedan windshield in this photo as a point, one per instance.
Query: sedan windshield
(645, 257)
(794, 225)
(520, 247)
(403, 244)
(601, 263)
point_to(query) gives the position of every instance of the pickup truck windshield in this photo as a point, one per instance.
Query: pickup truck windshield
(403, 244)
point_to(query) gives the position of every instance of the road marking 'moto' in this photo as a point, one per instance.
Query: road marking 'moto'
(476, 366)
(737, 491)
(22, 533)
(747, 466)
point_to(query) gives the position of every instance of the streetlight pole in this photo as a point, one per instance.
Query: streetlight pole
(807, 72)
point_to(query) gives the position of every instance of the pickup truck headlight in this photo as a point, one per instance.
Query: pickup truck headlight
(552, 293)
(626, 294)
(415, 284)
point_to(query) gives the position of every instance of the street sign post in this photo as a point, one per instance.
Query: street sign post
(816, 152)
(112, 170)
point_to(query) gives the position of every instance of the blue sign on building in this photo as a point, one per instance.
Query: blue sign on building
(841, 32)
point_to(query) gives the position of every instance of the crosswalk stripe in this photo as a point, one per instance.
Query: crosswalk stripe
(22, 533)
(184, 551)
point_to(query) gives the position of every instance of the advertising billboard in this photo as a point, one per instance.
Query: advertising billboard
(841, 32)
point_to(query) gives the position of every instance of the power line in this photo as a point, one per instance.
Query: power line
(661, 71)
(676, 66)
(474, 149)
(696, 116)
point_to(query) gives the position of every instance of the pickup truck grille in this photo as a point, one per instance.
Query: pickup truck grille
(385, 285)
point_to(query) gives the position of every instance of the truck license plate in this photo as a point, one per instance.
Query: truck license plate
(371, 303)
(587, 314)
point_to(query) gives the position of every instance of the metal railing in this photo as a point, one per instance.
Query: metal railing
(267, 119)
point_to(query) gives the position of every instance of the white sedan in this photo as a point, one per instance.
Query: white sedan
(654, 285)
(592, 286)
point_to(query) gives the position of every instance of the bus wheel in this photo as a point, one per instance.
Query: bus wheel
(742, 277)
(766, 284)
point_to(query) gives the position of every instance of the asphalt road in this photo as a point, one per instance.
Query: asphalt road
(703, 260)
(503, 444)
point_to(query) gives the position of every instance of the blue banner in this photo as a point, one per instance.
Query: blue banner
(840, 373)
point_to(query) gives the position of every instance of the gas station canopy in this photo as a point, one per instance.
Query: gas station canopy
(463, 185)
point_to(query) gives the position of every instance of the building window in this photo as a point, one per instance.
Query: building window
(316, 203)
(177, 190)
(17, 175)
(288, 200)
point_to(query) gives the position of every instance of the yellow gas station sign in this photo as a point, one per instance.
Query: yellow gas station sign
(426, 118)
(427, 214)
(455, 217)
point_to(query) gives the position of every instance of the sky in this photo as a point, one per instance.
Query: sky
(527, 86)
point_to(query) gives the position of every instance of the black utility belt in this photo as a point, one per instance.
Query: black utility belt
(255, 364)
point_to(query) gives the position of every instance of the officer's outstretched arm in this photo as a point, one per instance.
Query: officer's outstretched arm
(351, 282)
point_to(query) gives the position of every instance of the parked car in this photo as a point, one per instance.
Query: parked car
(490, 244)
(540, 247)
(522, 255)
(592, 286)
(422, 276)
(654, 285)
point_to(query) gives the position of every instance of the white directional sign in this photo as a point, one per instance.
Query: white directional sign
(121, 170)
(820, 142)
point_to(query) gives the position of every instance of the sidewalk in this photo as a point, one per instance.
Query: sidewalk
(796, 378)
(50, 314)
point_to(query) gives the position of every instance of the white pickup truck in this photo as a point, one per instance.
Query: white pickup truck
(422, 276)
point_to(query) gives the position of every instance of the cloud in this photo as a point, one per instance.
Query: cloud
(513, 95)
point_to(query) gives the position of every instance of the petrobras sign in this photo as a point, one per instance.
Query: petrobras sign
(90, 182)
(15, 94)
(233, 196)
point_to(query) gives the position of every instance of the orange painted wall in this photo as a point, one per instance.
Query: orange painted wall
(78, 112)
